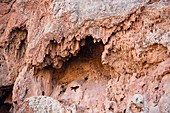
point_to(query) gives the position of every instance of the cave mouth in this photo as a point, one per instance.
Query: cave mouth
(89, 51)
(86, 65)
(6, 98)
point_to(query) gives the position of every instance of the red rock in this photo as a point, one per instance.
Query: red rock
(87, 56)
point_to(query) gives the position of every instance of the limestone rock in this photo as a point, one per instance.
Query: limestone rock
(40, 104)
(85, 56)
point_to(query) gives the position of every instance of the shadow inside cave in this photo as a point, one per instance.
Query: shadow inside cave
(86, 65)
(6, 99)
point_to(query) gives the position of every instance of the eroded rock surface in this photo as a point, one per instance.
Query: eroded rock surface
(85, 56)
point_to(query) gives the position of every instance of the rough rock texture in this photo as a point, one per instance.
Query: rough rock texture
(40, 104)
(85, 56)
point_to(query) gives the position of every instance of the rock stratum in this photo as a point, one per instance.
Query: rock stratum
(85, 56)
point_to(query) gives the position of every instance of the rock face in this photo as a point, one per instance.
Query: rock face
(85, 56)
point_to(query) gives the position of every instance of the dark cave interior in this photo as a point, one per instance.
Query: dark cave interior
(6, 98)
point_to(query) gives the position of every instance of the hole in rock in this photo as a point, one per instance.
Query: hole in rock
(6, 99)
(74, 88)
(43, 93)
(124, 111)
(111, 108)
(86, 78)
(63, 89)
(156, 88)
(86, 65)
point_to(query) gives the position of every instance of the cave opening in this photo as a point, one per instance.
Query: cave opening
(6, 99)
(86, 64)
(90, 51)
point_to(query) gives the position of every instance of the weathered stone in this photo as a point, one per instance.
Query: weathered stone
(96, 56)
(40, 104)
